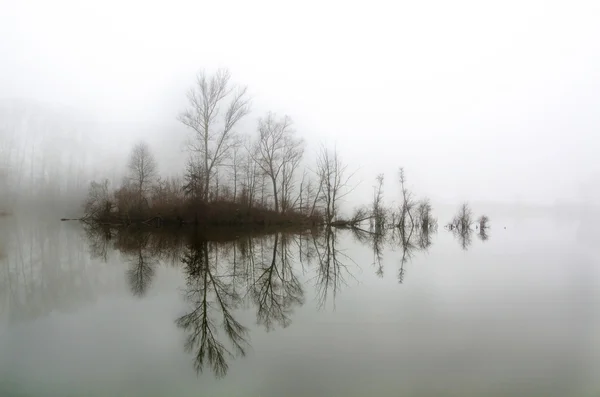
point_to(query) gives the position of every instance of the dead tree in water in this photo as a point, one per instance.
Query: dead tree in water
(463, 219)
(483, 226)
(483, 222)
(407, 202)
(425, 219)
(379, 214)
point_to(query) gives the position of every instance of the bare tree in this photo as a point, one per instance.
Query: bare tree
(193, 179)
(407, 201)
(483, 221)
(142, 169)
(249, 183)
(278, 153)
(333, 180)
(463, 219)
(99, 202)
(235, 169)
(308, 194)
(213, 129)
(425, 219)
(378, 211)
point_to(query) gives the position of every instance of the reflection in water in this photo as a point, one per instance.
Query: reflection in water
(276, 289)
(331, 271)
(267, 273)
(464, 236)
(212, 299)
(43, 270)
(141, 265)
(483, 235)
(461, 226)
(411, 236)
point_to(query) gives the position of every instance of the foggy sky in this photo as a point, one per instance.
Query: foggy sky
(477, 101)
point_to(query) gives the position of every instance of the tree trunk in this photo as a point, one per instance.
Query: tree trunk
(275, 194)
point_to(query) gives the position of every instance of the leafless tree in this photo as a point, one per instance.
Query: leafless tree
(483, 226)
(278, 153)
(99, 202)
(463, 219)
(333, 178)
(250, 179)
(235, 168)
(426, 224)
(483, 222)
(308, 194)
(378, 211)
(407, 201)
(142, 169)
(194, 179)
(215, 107)
(425, 219)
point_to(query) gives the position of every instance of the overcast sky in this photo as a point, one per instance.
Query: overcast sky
(477, 100)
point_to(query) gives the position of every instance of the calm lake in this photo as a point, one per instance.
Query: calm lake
(88, 312)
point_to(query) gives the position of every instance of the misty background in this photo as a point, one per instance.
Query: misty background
(491, 103)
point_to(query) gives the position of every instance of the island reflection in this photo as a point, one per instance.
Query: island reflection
(267, 272)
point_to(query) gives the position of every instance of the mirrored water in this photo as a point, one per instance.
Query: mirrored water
(151, 312)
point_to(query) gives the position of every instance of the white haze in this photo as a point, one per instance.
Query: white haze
(480, 101)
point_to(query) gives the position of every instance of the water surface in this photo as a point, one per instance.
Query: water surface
(152, 313)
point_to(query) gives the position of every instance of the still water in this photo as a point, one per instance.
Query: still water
(87, 312)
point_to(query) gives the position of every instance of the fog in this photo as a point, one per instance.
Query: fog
(488, 103)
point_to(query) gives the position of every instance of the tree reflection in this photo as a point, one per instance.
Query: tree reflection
(211, 297)
(460, 226)
(483, 235)
(331, 270)
(276, 290)
(45, 269)
(266, 273)
(464, 235)
(99, 238)
(413, 237)
(141, 264)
